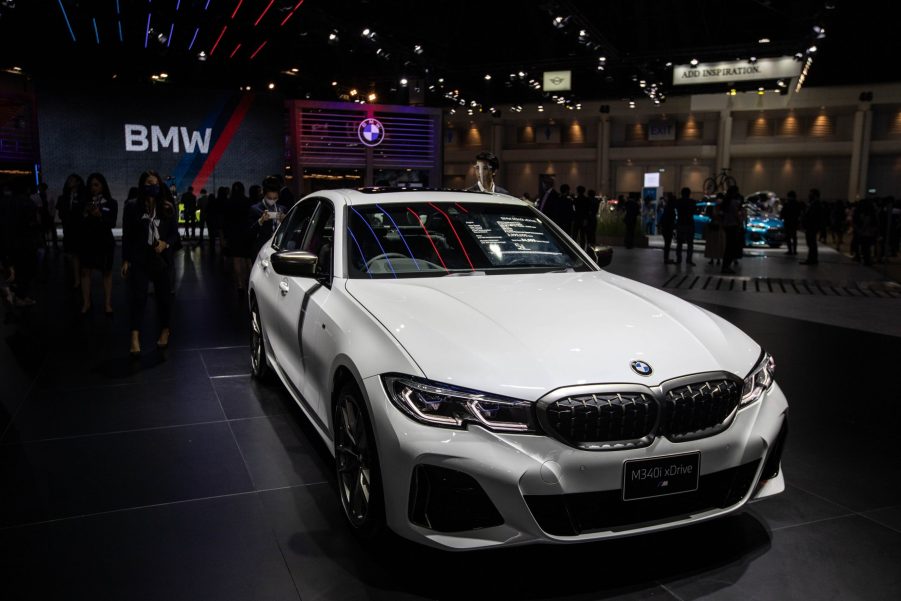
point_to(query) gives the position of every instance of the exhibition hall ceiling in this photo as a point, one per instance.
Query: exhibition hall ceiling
(438, 52)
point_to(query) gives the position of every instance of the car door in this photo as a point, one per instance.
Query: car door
(318, 330)
(280, 297)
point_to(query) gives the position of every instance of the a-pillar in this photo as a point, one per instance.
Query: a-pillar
(860, 152)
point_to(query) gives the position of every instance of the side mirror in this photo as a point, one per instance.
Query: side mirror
(602, 255)
(298, 263)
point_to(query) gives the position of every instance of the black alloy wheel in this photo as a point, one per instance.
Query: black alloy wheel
(258, 365)
(357, 463)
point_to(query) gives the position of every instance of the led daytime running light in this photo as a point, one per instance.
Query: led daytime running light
(759, 380)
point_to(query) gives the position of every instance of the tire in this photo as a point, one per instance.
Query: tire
(357, 466)
(728, 182)
(709, 186)
(259, 365)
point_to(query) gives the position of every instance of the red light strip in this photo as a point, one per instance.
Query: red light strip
(255, 52)
(216, 45)
(234, 51)
(459, 206)
(456, 235)
(291, 14)
(422, 225)
(240, 2)
(263, 14)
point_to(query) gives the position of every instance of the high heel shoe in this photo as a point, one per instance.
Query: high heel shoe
(164, 345)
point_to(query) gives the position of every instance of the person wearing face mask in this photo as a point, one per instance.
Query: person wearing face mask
(266, 215)
(486, 167)
(149, 230)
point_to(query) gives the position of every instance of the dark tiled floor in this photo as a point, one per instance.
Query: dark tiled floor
(177, 476)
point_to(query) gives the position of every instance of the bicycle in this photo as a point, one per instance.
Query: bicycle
(719, 183)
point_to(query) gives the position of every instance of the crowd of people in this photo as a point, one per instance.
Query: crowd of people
(151, 234)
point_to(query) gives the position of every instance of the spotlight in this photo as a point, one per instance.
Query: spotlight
(417, 50)
(372, 97)
(201, 56)
(487, 77)
(694, 62)
(333, 37)
(403, 81)
(752, 60)
(353, 92)
(271, 86)
(763, 41)
(811, 50)
(560, 22)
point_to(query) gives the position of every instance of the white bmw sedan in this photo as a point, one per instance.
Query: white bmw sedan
(481, 381)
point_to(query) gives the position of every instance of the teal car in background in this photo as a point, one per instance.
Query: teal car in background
(761, 230)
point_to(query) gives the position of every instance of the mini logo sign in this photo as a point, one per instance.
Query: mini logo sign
(641, 368)
(371, 132)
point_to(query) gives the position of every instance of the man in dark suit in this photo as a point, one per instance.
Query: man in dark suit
(486, 171)
(685, 225)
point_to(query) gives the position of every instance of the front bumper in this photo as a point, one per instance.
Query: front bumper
(530, 479)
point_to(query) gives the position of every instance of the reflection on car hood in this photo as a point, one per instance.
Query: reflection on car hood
(523, 335)
(765, 222)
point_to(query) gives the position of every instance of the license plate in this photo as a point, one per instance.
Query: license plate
(661, 476)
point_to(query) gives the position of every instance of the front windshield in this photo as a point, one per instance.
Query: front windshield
(422, 239)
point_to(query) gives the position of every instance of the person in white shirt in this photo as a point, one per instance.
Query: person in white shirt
(486, 167)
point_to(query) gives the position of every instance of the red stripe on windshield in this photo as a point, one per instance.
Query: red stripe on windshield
(456, 235)
(415, 214)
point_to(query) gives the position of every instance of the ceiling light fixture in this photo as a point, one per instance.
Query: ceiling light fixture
(763, 41)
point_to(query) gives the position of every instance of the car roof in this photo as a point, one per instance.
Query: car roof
(368, 196)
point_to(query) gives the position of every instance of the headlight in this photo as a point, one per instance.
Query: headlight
(759, 380)
(440, 405)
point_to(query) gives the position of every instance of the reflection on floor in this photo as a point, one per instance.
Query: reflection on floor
(178, 477)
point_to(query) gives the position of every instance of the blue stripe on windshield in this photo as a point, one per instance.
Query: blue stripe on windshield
(402, 239)
(354, 238)
(382, 248)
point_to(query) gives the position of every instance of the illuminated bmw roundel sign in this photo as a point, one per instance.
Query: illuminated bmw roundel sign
(371, 132)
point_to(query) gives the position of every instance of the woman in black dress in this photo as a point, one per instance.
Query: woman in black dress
(96, 242)
(68, 206)
(238, 235)
(149, 230)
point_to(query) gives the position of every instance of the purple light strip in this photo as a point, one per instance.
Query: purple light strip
(191, 45)
(171, 29)
(147, 33)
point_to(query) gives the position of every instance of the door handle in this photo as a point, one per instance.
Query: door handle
(284, 287)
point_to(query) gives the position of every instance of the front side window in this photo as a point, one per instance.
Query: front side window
(444, 238)
(291, 233)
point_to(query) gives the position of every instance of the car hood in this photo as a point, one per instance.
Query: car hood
(524, 335)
